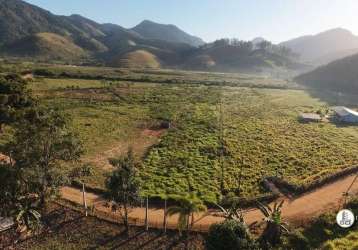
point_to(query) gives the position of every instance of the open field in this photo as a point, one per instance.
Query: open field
(261, 134)
(262, 137)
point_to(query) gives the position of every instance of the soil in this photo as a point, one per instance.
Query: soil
(304, 208)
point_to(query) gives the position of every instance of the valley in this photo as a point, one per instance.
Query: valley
(122, 130)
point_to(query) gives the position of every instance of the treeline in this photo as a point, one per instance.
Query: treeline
(247, 47)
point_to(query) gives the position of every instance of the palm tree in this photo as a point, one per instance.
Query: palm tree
(27, 216)
(274, 224)
(186, 208)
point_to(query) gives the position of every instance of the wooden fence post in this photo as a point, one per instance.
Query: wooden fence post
(165, 216)
(84, 198)
(146, 215)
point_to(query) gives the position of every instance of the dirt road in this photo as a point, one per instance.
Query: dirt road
(328, 197)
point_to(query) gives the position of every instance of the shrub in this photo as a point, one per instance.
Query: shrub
(228, 235)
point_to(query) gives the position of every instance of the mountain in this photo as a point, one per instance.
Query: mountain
(226, 56)
(46, 46)
(19, 19)
(169, 33)
(340, 75)
(324, 47)
(29, 31)
(33, 33)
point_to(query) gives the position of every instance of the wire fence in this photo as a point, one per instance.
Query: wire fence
(116, 218)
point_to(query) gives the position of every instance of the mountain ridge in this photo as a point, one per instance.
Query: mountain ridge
(32, 32)
(328, 44)
(167, 32)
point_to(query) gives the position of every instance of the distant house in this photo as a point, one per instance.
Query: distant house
(6, 223)
(343, 114)
(309, 117)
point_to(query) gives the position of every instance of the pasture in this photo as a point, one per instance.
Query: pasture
(224, 136)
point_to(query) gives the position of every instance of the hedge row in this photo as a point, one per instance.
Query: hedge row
(293, 189)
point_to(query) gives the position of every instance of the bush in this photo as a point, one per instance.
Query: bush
(228, 235)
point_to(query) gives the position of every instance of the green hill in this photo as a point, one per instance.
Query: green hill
(340, 75)
(137, 59)
(229, 56)
(46, 46)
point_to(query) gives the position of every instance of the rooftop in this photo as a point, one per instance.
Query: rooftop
(343, 111)
(310, 116)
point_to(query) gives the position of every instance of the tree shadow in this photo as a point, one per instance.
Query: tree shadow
(334, 98)
(108, 241)
(127, 240)
(149, 241)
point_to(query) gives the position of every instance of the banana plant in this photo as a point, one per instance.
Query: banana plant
(27, 216)
(275, 227)
(234, 212)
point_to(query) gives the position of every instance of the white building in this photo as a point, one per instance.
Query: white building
(343, 114)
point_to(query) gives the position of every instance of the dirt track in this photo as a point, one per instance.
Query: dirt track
(328, 197)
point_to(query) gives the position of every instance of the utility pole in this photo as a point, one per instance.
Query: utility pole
(222, 163)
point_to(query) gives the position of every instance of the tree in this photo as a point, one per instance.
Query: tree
(186, 208)
(264, 45)
(16, 201)
(11, 188)
(41, 144)
(229, 235)
(122, 186)
(274, 224)
(13, 96)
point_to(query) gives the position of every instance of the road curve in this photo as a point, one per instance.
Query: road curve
(305, 207)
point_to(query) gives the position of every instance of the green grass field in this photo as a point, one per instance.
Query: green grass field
(262, 138)
(261, 133)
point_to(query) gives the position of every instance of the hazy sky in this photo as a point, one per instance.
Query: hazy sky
(276, 20)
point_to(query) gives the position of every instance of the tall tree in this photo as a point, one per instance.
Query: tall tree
(14, 95)
(41, 144)
(122, 186)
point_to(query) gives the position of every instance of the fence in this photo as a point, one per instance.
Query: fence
(135, 222)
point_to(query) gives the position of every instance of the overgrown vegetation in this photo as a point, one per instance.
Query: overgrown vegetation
(324, 233)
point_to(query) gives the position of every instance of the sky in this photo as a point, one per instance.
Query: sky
(275, 20)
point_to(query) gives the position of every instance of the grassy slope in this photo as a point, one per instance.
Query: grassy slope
(340, 75)
(137, 59)
(47, 46)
